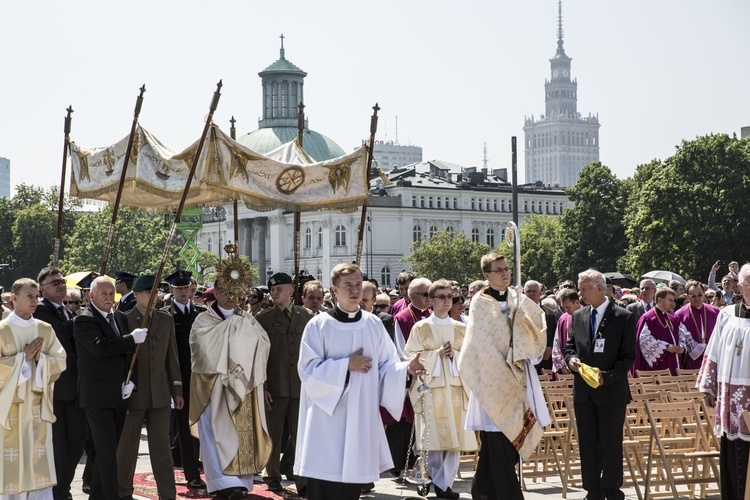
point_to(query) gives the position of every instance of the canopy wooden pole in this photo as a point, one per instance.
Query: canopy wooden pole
(297, 214)
(363, 219)
(123, 174)
(66, 147)
(233, 134)
(173, 231)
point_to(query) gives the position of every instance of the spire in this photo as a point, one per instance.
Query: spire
(282, 45)
(559, 26)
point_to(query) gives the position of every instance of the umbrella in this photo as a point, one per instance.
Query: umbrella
(663, 276)
(621, 280)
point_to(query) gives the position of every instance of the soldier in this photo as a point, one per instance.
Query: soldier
(184, 312)
(124, 286)
(284, 324)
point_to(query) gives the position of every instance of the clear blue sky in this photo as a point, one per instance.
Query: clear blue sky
(457, 74)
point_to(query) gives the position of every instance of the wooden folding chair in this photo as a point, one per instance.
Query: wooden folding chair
(687, 371)
(682, 380)
(572, 455)
(652, 373)
(469, 458)
(679, 448)
(637, 433)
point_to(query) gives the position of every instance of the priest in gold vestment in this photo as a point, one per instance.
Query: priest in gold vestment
(439, 339)
(229, 351)
(505, 337)
(31, 360)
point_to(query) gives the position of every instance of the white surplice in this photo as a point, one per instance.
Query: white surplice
(340, 436)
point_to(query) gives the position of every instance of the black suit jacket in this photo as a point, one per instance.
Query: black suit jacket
(387, 320)
(617, 328)
(65, 386)
(182, 326)
(103, 358)
(127, 304)
(549, 316)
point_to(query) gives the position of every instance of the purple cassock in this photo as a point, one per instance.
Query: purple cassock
(561, 339)
(699, 323)
(406, 319)
(655, 331)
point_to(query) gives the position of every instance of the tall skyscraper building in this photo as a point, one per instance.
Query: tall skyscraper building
(4, 178)
(560, 142)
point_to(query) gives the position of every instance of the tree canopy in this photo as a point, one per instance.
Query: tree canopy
(447, 255)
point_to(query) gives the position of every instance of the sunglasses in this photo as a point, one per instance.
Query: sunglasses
(55, 283)
(696, 295)
(423, 294)
(66, 302)
(443, 297)
(252, 296)
(381, 306)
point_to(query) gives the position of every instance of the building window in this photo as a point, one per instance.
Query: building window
(502, 205)
(210, 245)
(319, 275)
(450, 230)
(480, 204)
(433, 230)
(430, 201)
(526, 206)
(439, 202)
(308, 238)
(455, 203)
(533, 206)
(414, 201)
(320, 237)
(491, 238)
(475, 235)
(385, 276)
(494, 205)
(340, 236)
(473, 204)
(421, 201)
(417, 233)
(547, 207)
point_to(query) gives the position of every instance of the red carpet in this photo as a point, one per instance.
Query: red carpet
(145, 486)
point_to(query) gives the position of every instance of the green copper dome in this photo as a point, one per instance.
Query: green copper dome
(318, 146)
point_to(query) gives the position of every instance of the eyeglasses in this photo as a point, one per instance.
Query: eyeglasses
(710, 297)
(696, 295)
(502, 270)
(443, 297)
(54, 283)
(421, 294)
(66, 302)
(381, 306)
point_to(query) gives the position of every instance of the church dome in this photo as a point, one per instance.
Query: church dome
(318, 146)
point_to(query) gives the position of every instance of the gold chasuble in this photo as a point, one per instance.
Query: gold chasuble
(232, 352)
(26, 410)
(448, 397)
(494, 360)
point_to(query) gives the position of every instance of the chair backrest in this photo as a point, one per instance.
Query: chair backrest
(675, 427)
(655, 373)
(688, 371)
(679, 379)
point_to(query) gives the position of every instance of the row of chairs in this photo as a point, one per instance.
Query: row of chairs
(669, 446)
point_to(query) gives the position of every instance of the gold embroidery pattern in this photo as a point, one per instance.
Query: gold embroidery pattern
(290, 179)
(528, 423)
(340, 175)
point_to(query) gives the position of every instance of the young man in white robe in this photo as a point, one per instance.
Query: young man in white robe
(438, 339)
(724, 377)
(348, 367)
(31, 360)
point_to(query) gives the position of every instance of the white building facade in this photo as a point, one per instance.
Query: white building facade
(422, 199)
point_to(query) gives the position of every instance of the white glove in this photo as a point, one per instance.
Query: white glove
(127, 389)
(139, 335)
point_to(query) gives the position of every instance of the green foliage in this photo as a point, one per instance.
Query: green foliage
(592, 232)
(447, 255)
(138, 243)
(540, 246)
(689, 210)
(205, 265)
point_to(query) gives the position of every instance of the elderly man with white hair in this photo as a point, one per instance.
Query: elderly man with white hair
(602, 336)
(723, 377)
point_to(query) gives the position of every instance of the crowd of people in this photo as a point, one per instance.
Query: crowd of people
(347, 382)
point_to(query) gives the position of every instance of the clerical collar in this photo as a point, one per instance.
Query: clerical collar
(497, 294)
(343, 316)
(226, 312)
(441, 321)
(19, 321)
